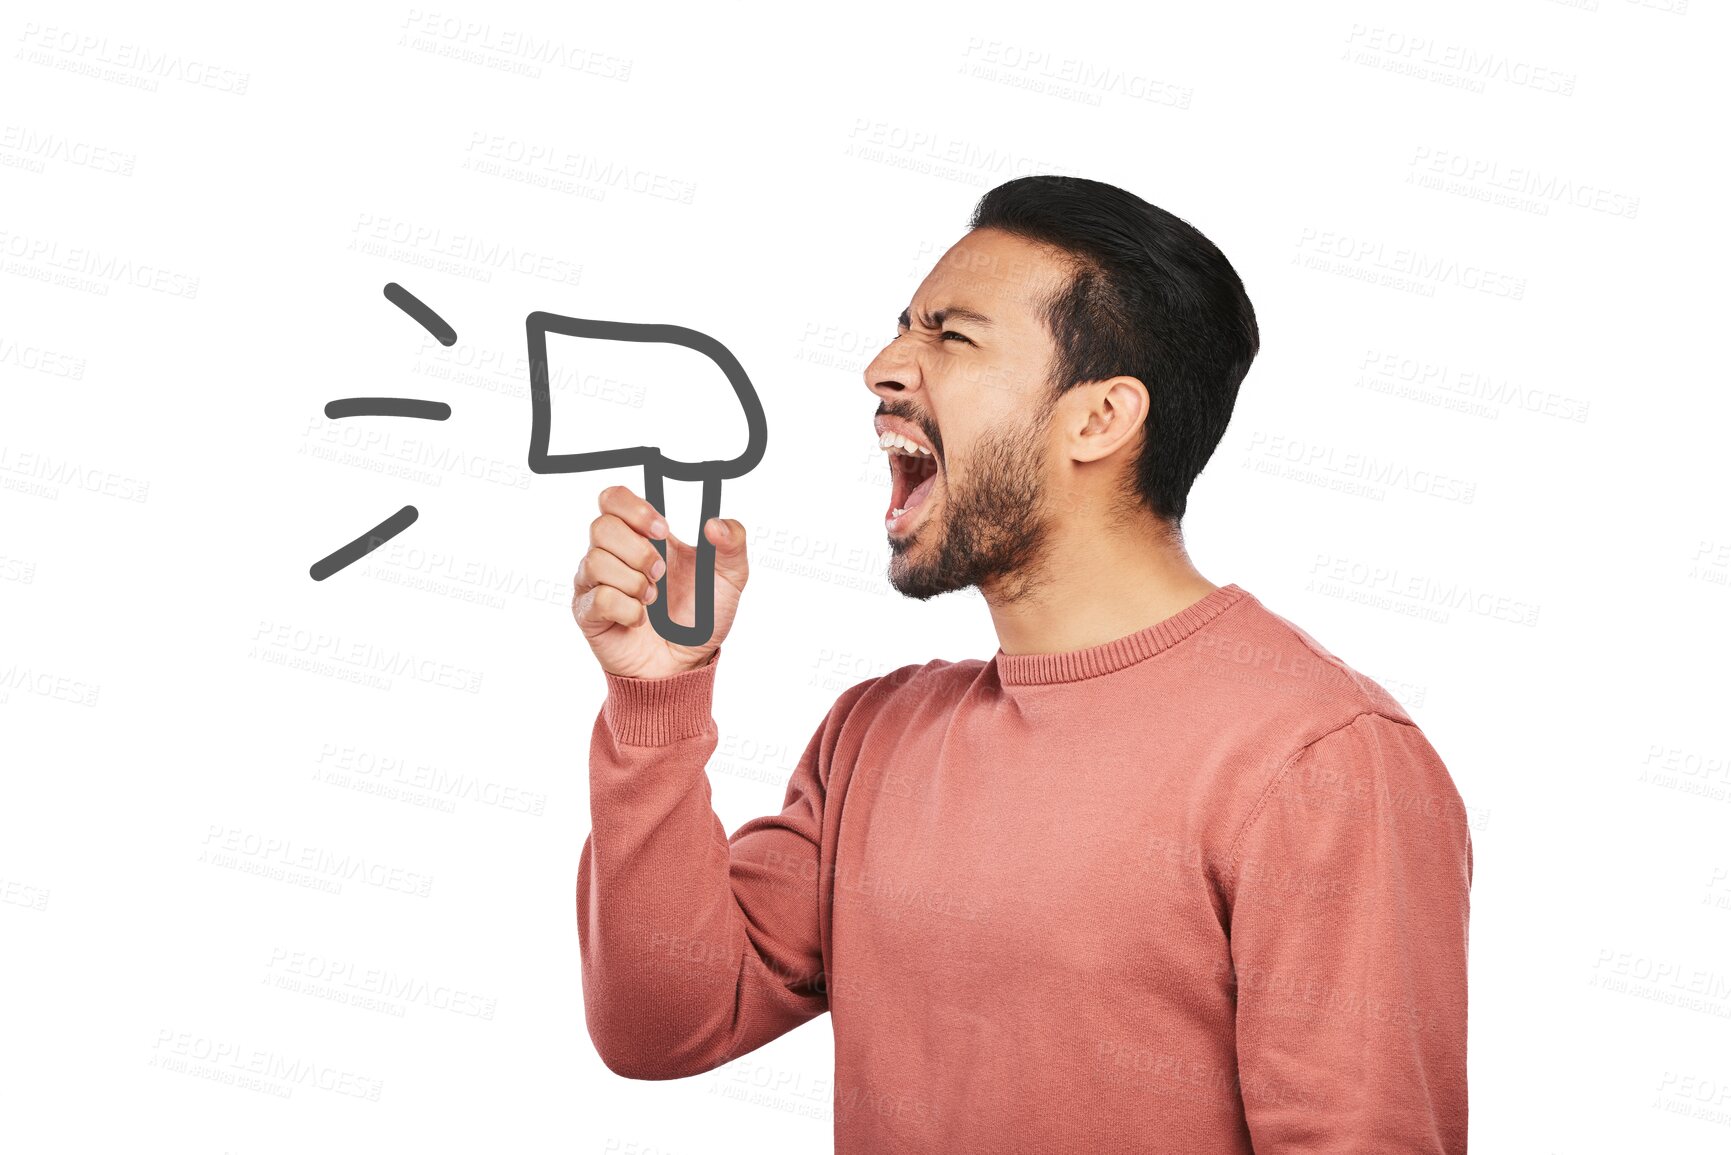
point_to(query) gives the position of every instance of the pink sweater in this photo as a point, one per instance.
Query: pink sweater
(1200, 889)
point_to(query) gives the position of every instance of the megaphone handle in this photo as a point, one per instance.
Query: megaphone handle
(698, 632)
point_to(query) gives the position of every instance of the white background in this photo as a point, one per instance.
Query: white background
(1480, 458)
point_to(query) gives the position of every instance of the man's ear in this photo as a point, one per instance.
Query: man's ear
(1116, 409)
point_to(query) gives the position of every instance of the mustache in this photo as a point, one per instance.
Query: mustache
(926, 427)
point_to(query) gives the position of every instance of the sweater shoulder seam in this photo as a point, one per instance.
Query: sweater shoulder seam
(1280, 776)
(1354, 677)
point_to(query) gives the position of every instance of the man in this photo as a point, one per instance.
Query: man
(1163, 874)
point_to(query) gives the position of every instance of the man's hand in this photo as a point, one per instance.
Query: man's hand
(616, 582)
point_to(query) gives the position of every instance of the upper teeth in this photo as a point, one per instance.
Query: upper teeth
(902, 444)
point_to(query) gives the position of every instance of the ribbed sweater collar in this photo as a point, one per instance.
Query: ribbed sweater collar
(1075, 665)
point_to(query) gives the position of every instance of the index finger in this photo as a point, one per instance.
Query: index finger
(634, 511)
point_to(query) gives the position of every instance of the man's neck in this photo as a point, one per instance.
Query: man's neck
(1087, 592)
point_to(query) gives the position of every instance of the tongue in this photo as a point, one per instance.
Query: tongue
(920, 493)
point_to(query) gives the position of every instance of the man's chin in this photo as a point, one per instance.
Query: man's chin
(914, 582)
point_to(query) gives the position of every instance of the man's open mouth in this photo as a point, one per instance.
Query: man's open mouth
(911, 480)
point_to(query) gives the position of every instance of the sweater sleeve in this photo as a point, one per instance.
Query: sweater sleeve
(1348, 930)
(695, 948)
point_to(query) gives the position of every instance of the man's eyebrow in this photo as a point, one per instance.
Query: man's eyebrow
(937, 318)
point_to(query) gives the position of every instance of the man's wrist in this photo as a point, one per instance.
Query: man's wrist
(659, 711)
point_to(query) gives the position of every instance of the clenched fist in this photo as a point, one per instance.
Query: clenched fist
(616, 582)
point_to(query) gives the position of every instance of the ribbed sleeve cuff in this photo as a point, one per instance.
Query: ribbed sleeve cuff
(660, 711)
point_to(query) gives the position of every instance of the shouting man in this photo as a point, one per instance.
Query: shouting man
(1163, 874)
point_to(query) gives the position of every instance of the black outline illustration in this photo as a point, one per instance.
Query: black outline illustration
(342, 407)
(387, 407)
(429, 320)
(655, 465)
(365, 544)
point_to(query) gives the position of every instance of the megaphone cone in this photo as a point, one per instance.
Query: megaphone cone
(655, 466)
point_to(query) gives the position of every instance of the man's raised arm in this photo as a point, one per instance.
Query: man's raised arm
(695, 948)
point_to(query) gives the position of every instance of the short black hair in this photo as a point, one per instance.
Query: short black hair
(1149, 297)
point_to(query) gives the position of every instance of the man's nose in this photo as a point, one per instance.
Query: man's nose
(895, 370)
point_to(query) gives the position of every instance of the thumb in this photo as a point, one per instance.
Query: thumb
(728, 537)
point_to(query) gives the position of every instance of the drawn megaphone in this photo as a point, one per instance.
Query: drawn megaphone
(655, 465)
